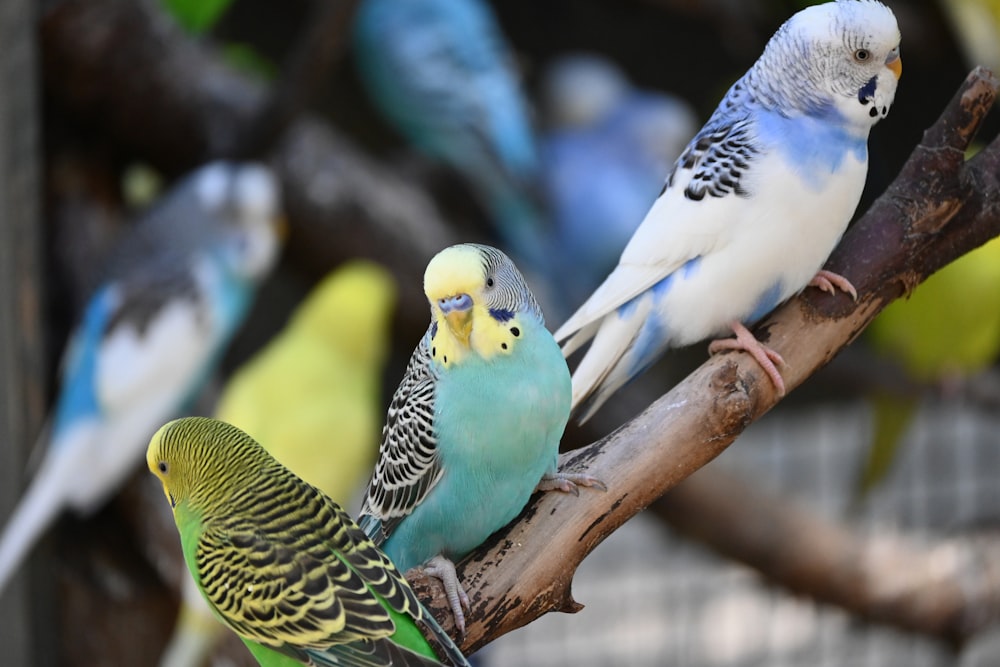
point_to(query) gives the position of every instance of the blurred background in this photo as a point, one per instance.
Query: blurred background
(545, 127)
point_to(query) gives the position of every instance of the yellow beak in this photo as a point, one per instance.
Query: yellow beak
(896, 66)
(460, 323)
(457, 312)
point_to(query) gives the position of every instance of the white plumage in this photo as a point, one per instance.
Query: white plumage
(755, 204)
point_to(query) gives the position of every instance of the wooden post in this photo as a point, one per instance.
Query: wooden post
(21, 341)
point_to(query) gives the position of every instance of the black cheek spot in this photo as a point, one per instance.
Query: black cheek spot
(503, 346)
(445, 358)
(434, 351)
(873, 112)
(515, 331)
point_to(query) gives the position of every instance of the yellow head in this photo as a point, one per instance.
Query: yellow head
(478, 300)
(203, 462)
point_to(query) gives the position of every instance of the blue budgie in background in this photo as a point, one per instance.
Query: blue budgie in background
(443, 74)
(606, 152)
(754, 205)
(176, 289)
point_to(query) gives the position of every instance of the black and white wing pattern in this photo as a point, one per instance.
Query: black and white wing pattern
(721, 153)
(408, 465)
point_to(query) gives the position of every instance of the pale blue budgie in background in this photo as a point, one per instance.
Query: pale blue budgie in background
(442, 73)
(175, 291)
(754, 205)
(474, 427)
(606, 152)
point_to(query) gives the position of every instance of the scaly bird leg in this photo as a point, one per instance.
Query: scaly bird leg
(568, 482)
(765, 356)
(828, 281)
(444, 569)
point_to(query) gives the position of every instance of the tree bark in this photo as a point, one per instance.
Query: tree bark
(938, 208)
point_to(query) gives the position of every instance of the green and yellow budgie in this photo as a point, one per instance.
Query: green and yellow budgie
(948, 328)
(312, 396)
(281, 564)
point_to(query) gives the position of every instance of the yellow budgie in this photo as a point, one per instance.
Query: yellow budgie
(948, 328)
(312, 396)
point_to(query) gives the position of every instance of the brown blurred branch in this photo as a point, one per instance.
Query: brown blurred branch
(123, 66)
(937, 209)
(322, 43)
(945, 588)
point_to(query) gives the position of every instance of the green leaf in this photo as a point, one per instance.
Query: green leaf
(196, 16)
(248, 60)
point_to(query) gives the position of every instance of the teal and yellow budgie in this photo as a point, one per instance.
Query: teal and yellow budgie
(311, 396)
(948, 328)
(281, 564)
(474, 427)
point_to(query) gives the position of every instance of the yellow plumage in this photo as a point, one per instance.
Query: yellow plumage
(313, 396)
(949, 328)
(453, 273)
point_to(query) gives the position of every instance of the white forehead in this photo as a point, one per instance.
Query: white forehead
(861, 22)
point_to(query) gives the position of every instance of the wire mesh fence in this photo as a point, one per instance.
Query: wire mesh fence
(654, 599)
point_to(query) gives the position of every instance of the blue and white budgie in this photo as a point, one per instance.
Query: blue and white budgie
(754, 205)
(474, 427)
(608, 148)
(443, 74)
(175, 291)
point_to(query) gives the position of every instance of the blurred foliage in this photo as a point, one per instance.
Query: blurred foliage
(197, 16)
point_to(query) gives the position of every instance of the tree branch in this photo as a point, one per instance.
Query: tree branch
(936, 210)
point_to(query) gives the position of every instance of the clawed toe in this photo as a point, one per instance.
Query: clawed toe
(569, 482)
(443, 569)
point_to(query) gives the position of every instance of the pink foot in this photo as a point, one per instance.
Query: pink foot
(568, 482)
(444, 569)
(828, 281)
(765, 356)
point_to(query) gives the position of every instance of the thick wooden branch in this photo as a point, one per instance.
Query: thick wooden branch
(937, 209)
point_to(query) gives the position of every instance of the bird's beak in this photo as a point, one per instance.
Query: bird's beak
(895, 63)
(457, 311)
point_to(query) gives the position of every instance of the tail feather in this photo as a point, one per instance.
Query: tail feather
(45, 498)
(609, 363)
(196, 631)
(580, 337)
(444, 642)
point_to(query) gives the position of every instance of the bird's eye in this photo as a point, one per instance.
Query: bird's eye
(489, 282)
(163, 467)
(862, 55)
